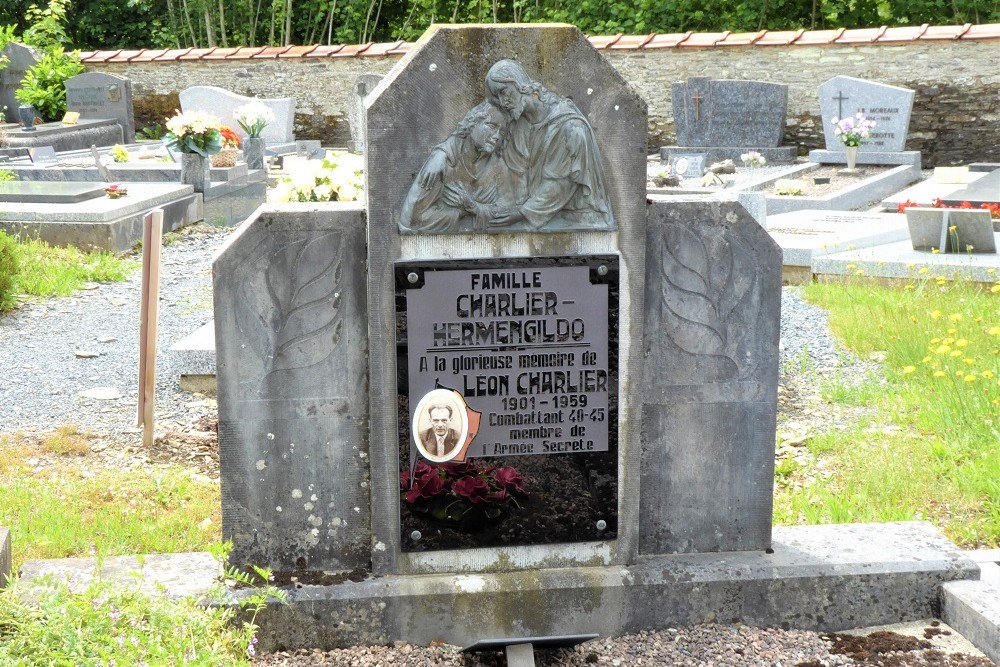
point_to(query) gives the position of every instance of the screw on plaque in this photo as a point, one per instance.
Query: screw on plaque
(416, 535)
(412, 277)
(602, 524)
(602, 270)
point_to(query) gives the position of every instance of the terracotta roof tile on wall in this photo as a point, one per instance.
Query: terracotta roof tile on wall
(668, 41)
(881, 35)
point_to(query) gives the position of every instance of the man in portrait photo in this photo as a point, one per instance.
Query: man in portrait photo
(440, 439)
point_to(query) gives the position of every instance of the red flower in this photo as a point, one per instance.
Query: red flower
(229, 137)
(427, 486)
(473, 489)
(509, 479)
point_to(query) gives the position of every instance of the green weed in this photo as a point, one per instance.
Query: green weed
(47, 271)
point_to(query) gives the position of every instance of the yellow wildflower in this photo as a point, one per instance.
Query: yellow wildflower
(939, 374)
(988, 374)
(935, 314)
(926, 359)
(942, 349)
(969, 362)
(961, 342)
(955, 353)
(955, 317)
(909, 369)
(970, 378)
(994, 331)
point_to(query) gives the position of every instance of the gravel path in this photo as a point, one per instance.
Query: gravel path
(45, 379)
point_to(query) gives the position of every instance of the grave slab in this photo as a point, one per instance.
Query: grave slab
(925, 192)
(84, 134)
(5, 556)
(194, 355)
(985, 190)
(30, 192)
(889, 106)
(106, 224)
(174, 576)
(865, 574)
(810, 233)
(900, 260)
(973, 609)
(861, 195)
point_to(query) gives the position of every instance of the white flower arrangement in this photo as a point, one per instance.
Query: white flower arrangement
(253, 117)
(337, 177)
(194, 132)
(753, 159)
(790, 187)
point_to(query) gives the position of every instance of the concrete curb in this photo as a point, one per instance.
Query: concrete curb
(973, 609)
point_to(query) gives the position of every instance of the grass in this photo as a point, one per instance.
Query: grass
(47, 271)
(60, 509)
(930, 450)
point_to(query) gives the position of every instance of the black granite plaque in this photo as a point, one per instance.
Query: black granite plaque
(508, 410)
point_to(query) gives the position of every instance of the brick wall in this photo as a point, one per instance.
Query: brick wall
(955, 120)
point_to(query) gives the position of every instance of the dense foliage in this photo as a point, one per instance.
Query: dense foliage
(113, 24)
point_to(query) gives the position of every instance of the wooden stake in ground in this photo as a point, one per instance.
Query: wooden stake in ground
(149, 315)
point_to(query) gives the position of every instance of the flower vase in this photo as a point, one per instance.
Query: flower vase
(253, 152)
(195, 171)
(852, 157)
(26, 113)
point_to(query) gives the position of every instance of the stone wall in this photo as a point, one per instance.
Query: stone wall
(955, 119)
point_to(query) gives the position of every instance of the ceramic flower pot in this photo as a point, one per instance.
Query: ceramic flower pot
(195, 171)
(852, 156)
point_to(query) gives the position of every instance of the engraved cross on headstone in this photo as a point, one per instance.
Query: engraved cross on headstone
(840, 103)
(697, 106)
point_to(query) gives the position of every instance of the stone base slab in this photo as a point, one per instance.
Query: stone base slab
(973, 609)
(861, 195)
(719, 153)
(825, 578)
(172, 575)
(899, 260)
(911, 158)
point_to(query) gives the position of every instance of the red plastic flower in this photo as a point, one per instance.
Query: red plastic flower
(427, 486)
(509, 479)
(229, 137)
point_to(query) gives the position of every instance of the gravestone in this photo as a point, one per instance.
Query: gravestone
(363, 85)
(43, 155)
(221, 103)
(951, 231)
(21, 58)
(100, 95)
(889, 106)
(728, 117)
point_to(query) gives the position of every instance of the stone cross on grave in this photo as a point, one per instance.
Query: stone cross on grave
(697, 105)
(840, 103)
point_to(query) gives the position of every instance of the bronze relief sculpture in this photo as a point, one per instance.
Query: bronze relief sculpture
(525, 159)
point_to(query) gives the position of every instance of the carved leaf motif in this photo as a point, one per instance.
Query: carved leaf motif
(303, 281)
(690, 304)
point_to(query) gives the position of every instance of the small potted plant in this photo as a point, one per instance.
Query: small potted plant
(230, 147)
(252, 119)
(115, 191)
(852, 131)
(464, 495)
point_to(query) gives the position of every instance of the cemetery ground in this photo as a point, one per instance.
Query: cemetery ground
(885, 423)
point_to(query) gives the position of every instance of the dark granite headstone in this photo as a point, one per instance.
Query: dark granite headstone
(888, 106)
(723, 112)
(21, 59)
(100, 95)
(47, 192)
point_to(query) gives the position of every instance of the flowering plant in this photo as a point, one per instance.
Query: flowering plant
(753, 159)
(337, 177)
(120, 153)
(852, 130)
(460, 492)
(229, 137)
(115, 191)
(994, 209)
(789, 187)
(194, 132)
(253, 117)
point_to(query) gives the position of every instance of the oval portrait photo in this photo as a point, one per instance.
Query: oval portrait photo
(440, 425)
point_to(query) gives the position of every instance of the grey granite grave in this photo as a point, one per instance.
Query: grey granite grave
(888, 106)
(21, 58)
(221, 103)
(363, 85)
(5, 556)
(985, 190)
(98, 95)
(29, 192)
(811, 233)
(291, 347)
(926, 191)
(710, 380)
(900, 260)
(84, 134)
(857, 196)
(724, 118)
(103, 223)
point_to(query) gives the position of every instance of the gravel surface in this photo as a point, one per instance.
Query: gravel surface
(46, 378)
